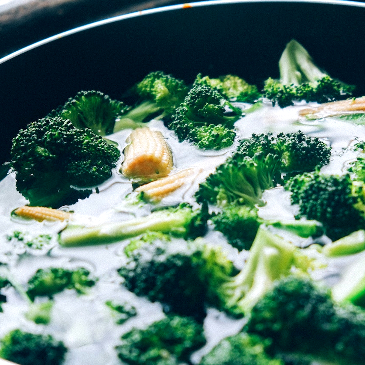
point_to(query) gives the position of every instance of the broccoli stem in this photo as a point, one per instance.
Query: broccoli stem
(135, 117)
(161, 221)
(348, 245)
(296, 65)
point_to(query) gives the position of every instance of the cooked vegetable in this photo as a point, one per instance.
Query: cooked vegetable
(32, 349)
(57, 163)
(300, 79)
(42, 213)
(147, 156)
(159, 189)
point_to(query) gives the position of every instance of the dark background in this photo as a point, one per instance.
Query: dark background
(29, 21)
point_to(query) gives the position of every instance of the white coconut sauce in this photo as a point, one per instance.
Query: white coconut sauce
(84, 322)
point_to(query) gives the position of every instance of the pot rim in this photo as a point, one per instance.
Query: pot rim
(182, 6)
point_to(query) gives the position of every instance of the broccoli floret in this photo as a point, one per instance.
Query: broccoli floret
(4, 283)
(203, 107)
(53, 280)
(258, 164)
(181, 221)
(300, 152)
(240, 349)
(54, 161)
(122, 311)
(232, 87)
(301, 321)
(180, 275)
(240, 179)
(148, 237)
(301, 79)
(271, 258)
(26, 239)
(212, 137)
(158, 95)
(169, 341)
(32, 349)
(93, 109)
(40, 313)
(335, 201)
(240, 224)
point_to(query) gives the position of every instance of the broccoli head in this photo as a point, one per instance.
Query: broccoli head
(232, 87)
(169, 341)
(93, 109)
(300, 79)
(53, 280)
(156, 95)
(4, 283)
(54, 161)
(240, 349)
(240, 179)
(180, 275)
(203, 107)
(258, 164)
(301, 321)
(335, 201)
(32, 349)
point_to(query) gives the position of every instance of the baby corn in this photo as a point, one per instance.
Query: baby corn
(334, 108)
(156, 190)
(41, 213)
(147, 156)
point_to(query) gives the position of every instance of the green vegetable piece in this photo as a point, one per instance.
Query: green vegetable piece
(351, 244)
(32, 349)
(169, 341)
(40, 313)
(240, 349)
(182, 221)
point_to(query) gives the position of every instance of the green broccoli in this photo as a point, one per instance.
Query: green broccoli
(240, 223)
(300, 79)
(183, 276)
(92, 109)
(258, 164)
(232, 87)
(271, 258)
(4, 283)
(335, 201)
(169, 341)
(32, 349)
(301, 321)
(157, 95)
(53, 280)
(40, 313)
(205, 107)
(181, 221)
(122, 311)
(240, 349)
(27, 239)
(55, 161)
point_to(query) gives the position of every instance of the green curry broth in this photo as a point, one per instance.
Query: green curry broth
(84, 322)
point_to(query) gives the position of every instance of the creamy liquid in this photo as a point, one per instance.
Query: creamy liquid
(84, 322)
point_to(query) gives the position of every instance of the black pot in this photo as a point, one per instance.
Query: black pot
(214, 37)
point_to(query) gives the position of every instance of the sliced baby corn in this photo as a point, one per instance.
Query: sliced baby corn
(157, 190)
(41, 213)
(334, 108)
(147, 156)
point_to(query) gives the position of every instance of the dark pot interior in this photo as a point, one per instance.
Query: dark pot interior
(245, 38)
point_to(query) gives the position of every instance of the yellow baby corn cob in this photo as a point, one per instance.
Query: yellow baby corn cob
(147, 156)
(41, 213)
(156, 190)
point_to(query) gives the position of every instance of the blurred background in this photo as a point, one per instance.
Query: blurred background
(23, 22)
